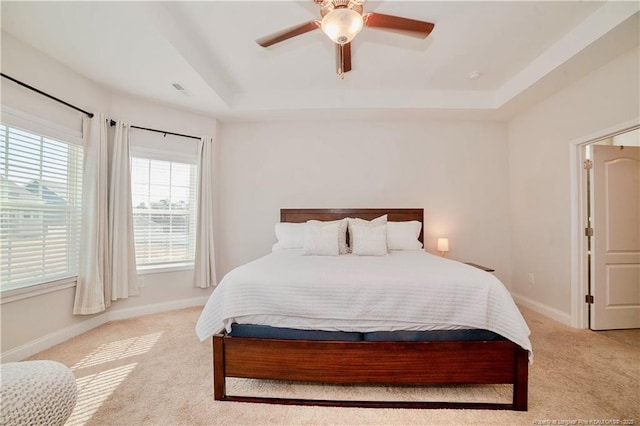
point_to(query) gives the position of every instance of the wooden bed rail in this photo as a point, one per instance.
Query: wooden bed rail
(380, 363)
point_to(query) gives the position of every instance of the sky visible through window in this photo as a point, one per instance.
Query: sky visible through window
(154, 181)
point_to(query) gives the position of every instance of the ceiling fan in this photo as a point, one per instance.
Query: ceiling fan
(341, 21)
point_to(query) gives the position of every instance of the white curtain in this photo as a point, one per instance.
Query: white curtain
(123, 277)
(205, 265)
(107, 268)
(94, 241)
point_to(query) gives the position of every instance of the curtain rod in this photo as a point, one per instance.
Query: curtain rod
(89, 114)
(113, 123)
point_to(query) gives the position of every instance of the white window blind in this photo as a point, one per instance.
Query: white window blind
(40, 203)
(164, 211)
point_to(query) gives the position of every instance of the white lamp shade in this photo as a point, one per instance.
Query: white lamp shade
(342, 25)
(443, 244)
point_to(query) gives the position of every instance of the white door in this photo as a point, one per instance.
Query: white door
(616, 238)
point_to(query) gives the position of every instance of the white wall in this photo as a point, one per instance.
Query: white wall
(539, 159)
(456, 171)
(33, 323)
(28, 65)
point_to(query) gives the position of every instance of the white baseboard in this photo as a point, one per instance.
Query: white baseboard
(38, 345)
(31, 348)
(156, 308)
(541, 308)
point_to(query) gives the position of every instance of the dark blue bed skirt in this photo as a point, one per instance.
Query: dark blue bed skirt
(267, 332)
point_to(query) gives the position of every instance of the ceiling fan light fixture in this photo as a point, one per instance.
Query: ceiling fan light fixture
(342, 25)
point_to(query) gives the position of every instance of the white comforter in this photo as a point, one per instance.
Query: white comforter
(408, 290)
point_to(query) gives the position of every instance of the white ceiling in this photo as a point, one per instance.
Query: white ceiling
(524, 51)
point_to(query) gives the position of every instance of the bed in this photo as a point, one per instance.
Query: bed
(499, 356)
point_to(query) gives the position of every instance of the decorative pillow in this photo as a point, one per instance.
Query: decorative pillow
(382, 220)
(342, 233)
(369, 240)
(404, 235)
(321, 239)
(289, 235)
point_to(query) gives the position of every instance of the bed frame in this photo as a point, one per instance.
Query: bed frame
(366, 362)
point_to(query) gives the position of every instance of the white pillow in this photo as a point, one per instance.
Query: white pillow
(369, 240)
(289, 235)
(404, 235)
(342, 233)
(382, 220)
(321, 239)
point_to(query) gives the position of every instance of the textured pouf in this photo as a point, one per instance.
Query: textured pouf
(36, 393)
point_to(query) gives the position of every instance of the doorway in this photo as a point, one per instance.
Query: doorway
(611, 175)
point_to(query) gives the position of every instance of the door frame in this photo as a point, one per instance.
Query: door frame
(579, 282)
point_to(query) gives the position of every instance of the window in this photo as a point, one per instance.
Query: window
(164, 211)
(40, 203)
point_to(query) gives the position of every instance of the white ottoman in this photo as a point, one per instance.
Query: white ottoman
(36, 393)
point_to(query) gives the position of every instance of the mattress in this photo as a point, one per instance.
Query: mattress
(267, 332)
(403, 291)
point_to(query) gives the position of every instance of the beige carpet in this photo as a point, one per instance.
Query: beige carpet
(152, 370)
(629, 337)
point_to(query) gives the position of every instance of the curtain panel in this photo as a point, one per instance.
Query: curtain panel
(123, 277)
(205, 265)
(94, 245)
(107, 269)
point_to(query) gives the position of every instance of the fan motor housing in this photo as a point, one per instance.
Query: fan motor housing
(327, 6)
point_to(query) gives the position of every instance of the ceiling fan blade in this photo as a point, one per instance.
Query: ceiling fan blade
(288, 33)
(406, 26)
(343, 58)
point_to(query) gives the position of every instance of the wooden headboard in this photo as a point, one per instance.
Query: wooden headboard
(393, 215)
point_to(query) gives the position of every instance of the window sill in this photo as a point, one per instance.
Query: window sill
(158, 269)
(13, 295)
